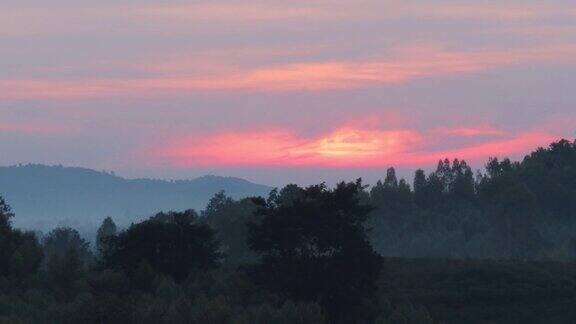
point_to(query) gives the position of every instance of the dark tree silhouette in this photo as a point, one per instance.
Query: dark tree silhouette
(516, 212)
(420, 194)
(315, 248)
(216, 204)
(172, 244)
(289, 194)
(65, 271)
(5, 213)
(60, 241)
(20, 253)
(229, 217)
(105, 231)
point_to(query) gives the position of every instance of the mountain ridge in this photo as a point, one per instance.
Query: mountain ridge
(44, 196)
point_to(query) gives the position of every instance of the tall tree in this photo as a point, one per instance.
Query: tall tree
(391, 181)
(444, 174)
(218, 202)
(105, 231)
(229, 220)
(420, 188)
(316, 249)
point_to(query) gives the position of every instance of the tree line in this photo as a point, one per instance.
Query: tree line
(300, 255)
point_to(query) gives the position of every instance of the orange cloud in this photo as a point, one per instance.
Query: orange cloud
(344, 147)
(407, 64)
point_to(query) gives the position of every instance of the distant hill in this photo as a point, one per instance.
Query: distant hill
(46, 196)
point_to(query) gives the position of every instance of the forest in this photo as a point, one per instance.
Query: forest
(452, 246)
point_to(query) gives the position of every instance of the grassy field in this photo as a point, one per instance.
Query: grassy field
(484, 291)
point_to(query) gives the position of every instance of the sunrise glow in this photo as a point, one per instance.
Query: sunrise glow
(344, 147)
(177, 89)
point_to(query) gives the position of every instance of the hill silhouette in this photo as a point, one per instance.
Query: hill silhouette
(47, 196)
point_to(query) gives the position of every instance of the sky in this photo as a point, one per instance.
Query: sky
(283, 91)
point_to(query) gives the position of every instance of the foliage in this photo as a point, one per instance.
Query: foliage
(229, 218)
(60, 241)
(105, 231)
(406, 314)
(172, 243)
(20, 253)
(511, 210)
(314, 247)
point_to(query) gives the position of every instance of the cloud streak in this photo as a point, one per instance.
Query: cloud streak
(30, 128)
(345, 147)
(257, 12)
(406, 65)
(241, 12)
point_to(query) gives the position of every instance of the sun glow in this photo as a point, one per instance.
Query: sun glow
(344, 147)
(353, 143)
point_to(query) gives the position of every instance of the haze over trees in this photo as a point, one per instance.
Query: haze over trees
(513, 209)
(497, 246)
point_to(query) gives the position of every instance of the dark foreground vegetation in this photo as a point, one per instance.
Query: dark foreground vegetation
(456, 247)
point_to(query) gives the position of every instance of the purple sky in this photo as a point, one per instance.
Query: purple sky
(282, 91)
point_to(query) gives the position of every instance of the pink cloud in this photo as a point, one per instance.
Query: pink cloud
(510, 145)
(28, 20)
(407, 64)
(470, 131)
(345, 147)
